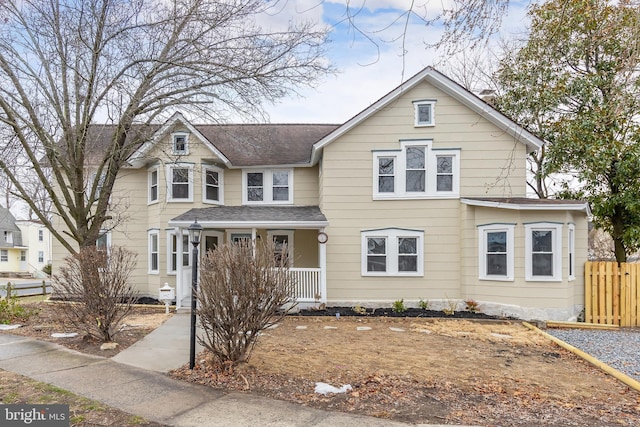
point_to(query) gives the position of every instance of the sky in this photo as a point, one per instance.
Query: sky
(368, 69)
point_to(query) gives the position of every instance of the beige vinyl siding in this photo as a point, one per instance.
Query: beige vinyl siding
(305, 186)
(233, 187)
(556, 294)
(491, 164)
(305, 244)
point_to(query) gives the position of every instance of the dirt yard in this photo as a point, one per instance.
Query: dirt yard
(487, 373)
(429, 371)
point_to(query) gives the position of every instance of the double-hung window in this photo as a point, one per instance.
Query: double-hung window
(416, 171)
(154, 255)
(40, 257)
(8, 237)
(4, 255)
(543, 251)
(180, 183)
(392, 252)
(40, 235)
(496, 253)
(212, 190)
(153, 185)
(267, 186)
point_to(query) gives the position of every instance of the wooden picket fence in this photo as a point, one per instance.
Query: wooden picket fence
(612, 293)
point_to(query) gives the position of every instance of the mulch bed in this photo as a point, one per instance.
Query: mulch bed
(388, 312)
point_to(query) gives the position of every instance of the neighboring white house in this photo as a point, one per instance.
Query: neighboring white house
(37, 239)
(13, 254)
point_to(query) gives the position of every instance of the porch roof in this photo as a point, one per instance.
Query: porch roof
(310, 217)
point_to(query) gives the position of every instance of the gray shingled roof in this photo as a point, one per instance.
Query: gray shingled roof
(265, 144)
(8, 223)
(273, 215)
(243, 145)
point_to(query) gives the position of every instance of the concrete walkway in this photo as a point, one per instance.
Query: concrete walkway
(134, 381)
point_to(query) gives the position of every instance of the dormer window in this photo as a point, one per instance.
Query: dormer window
(8, 237)
(425, 112)
(180, 143)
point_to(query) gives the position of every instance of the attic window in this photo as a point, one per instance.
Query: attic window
(8, 237)
(425, 112)
(180, 143)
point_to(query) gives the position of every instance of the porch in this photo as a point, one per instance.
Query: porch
(308, 287)
(301, 228)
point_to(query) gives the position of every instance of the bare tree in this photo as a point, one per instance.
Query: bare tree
(66, 65)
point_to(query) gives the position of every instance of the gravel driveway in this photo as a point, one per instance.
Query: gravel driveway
(618, 349)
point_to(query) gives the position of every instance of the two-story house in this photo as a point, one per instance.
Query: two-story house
(13, 254)
(37, 238)
(422, 195)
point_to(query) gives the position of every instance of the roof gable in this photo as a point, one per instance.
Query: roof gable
(138, 158)
(451, 88)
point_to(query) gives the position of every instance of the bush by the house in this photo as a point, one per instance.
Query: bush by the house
(244, 289)
(97, 291)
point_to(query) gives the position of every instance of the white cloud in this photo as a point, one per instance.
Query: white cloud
(369, 68)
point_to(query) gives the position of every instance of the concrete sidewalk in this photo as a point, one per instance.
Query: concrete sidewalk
(134, 381)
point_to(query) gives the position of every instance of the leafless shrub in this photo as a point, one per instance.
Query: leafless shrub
(96, 287)
(244, 289)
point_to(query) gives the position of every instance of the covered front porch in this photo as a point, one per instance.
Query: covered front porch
(300, 227)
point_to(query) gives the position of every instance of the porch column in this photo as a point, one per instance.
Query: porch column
(322, 261)
(179, 268)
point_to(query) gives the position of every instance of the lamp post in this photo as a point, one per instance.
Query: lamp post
(195, 230)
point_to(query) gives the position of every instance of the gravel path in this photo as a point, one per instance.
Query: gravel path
(618, 349)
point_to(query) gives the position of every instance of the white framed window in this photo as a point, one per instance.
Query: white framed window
(23, 256)
(571, 256)
(40, 235)
(4, 255)
(154, 252)
(153, 185)
(41, 257)
(392, 252)
(234, 236)
(416, 171)
(8, 237)
(267, 186)
(180, 143)
(180, 182)
(543, 251)
(496, 252)
(103, 243)
(425, 112)
(282, 238)
(212, 185)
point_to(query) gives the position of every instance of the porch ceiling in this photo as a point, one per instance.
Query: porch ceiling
(253, 216)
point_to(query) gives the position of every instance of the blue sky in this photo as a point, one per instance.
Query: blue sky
(367, 69)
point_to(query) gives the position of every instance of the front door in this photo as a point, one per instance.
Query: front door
(23, 261)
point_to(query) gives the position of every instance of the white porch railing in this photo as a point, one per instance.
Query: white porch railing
(307, 284)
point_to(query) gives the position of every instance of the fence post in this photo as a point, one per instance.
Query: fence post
(44, 288)
(8, 290)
